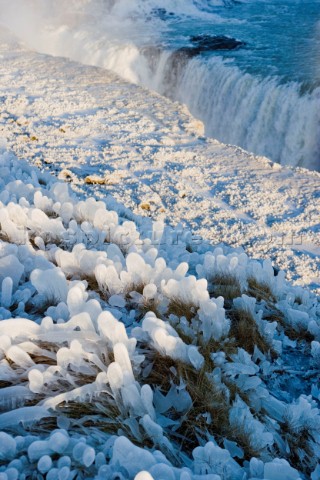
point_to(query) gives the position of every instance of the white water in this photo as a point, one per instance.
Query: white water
(259, 114)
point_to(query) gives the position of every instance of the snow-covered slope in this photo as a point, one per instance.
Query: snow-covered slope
(148, 153)
(130, 349)
(122, 353)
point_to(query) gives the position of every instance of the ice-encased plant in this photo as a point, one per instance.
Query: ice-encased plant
(120, 357)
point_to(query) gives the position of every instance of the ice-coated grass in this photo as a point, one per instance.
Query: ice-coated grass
(124, 358)
(245, 331)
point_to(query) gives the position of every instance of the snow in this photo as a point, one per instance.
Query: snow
(112, 338)
(96, 346)
(111, 126)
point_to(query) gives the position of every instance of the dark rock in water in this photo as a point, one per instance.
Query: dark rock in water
(208, 43)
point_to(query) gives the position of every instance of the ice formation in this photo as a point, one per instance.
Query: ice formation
(131, 360)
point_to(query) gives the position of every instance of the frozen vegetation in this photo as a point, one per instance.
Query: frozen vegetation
(129, 349)
(126, 354)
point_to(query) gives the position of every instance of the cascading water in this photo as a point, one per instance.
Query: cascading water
(257, 114)
(264, 97)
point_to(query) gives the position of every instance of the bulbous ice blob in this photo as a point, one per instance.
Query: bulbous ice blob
(182, 269)
(64, 461)
(143, 476)
(58, 442)
(112, 329)
(88, 456)
(280, 468)
(121, 357)
(75, 300)
(11, 267)
(115, 376)
(35, 380)
(64, 473)
(150, 291)
(53, 474)
(6, 292)
(132, 400)
(7, 446)
(131, 457)
(147, 400)
(78, 451)
(5, 343)
(38, 449)
(52, 284)
(44, 464)
(162, 471)
(19, 356)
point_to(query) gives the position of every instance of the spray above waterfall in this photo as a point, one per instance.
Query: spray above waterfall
(264, 96)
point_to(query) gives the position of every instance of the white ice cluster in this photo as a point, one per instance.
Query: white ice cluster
(108, 328)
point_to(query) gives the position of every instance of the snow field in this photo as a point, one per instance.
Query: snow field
(129, 355)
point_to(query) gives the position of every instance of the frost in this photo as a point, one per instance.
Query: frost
(12, 268)
(132, 458)
(44, 464)
(59, 442)
(23, 415)
(315, 352)
(211, 459)
(6, 292)
(241, 418)
(280, 469)
(35, 381)
(124, 346)
(166, 340)
(7, 446)
(51, 284)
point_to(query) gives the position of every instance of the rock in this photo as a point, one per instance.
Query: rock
(208, 43)
(94, 180)
(66, 175)
(145, 206)
(219, 42)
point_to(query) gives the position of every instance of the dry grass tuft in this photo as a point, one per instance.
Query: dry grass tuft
(226, 286)
(227, 345)
(180, 309)
(92, 283)
(40, 310)
(260, 291)
(275, 315)
(135, 287)
(43, 359)
(209, 413)
(245, 331)
(149, 306)
(142, 304)
(301, 454)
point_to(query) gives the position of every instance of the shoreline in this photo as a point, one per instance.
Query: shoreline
(109, 137)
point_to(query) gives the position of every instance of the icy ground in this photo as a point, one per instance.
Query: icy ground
(149, 154)
(129, 349)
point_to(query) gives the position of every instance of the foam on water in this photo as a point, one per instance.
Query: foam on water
(264, 98)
